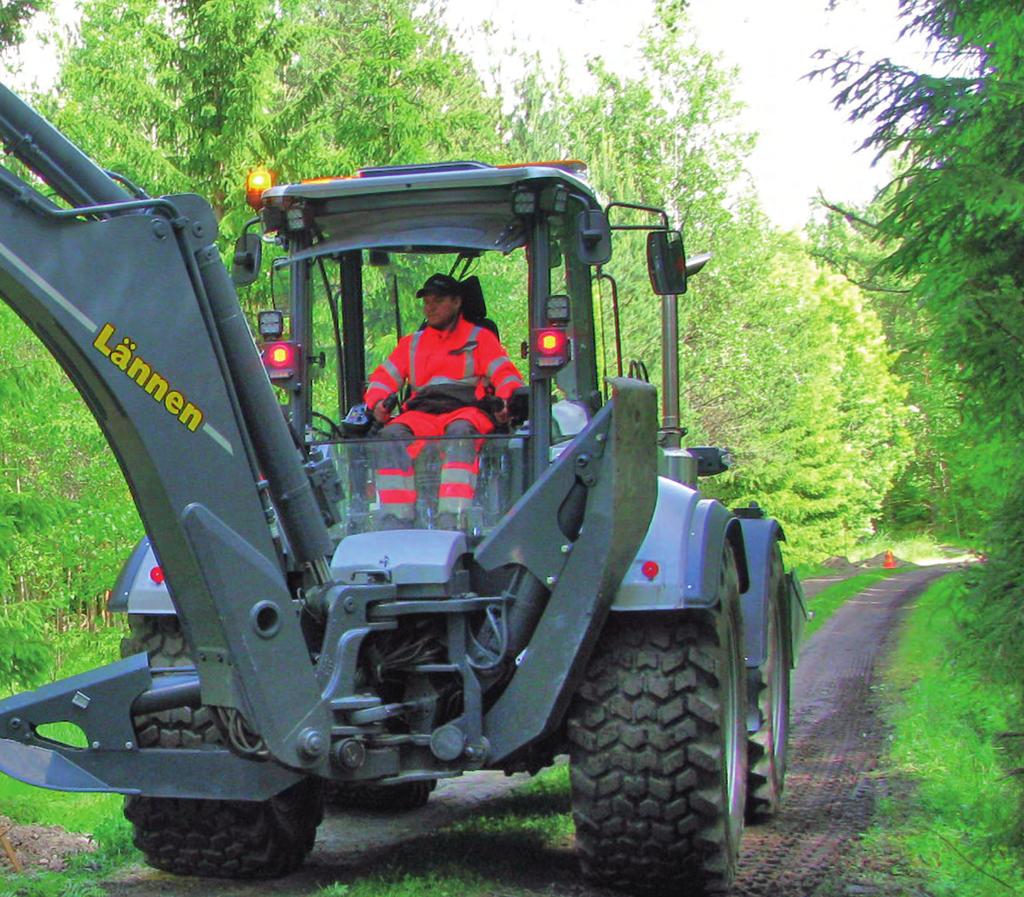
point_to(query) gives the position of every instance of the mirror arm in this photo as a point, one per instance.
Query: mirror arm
(693, 265)
(615, 316)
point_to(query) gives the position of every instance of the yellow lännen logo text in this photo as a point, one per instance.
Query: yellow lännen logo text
(122, 355)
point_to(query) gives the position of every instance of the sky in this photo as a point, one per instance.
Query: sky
(804, 145)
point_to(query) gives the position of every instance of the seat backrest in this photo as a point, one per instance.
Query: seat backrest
(474, 309)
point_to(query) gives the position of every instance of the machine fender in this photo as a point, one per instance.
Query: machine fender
(798, 616)
(685, 541)
(135, 592)
(613, 463)
(760, 536)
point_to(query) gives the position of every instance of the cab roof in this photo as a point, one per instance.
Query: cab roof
(439, 207)
(436, 176)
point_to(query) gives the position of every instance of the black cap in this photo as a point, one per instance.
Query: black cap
(440, 285)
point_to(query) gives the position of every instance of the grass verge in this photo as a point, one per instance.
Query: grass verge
(96, 814)
(956, 823)
(831, 598)
(84, 870)
(515, 847)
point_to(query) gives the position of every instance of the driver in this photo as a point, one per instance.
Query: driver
(461, 379)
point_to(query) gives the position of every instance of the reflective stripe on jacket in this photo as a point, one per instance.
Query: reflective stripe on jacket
(462, 361)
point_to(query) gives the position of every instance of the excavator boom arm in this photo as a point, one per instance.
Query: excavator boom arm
(131, 298)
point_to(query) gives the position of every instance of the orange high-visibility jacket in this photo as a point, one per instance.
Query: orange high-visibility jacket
(465, 361)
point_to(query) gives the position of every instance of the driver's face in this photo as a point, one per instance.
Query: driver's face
(441, 311)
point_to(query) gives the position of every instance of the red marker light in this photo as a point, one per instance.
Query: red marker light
(551, 347)
(157, 575)
(281, 360)
(549, 343)
(279, 356)
(650, 569)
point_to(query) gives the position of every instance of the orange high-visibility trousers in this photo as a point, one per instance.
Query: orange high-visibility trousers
(460, 463)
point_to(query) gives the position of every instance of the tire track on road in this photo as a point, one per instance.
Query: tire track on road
(837, 737)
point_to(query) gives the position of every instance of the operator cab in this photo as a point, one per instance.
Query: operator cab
(351, 254)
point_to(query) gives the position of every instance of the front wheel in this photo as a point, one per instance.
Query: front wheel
(658, 749)
(228, 838)
(216, 838)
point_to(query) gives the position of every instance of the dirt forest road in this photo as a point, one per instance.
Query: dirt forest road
(832, 786)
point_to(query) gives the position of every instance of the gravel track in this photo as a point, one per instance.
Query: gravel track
(837, 737)
(831, 788)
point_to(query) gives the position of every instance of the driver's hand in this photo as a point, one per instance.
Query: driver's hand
(381, 414)
(501, 416)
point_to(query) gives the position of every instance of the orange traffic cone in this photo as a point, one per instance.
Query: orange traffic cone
(890, 560)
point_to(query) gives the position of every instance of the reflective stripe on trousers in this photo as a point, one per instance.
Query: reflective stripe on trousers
(395, 479)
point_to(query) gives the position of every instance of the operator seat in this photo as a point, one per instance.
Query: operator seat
(474, 309)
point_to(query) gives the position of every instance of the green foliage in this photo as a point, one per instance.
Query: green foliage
(945, 484)
(187, 97)
(24, 654)
(67, 521)
(996, 618)
(808, 404)
(179, 97)
(948, 231)
(949, 224)
(14, 16)
(955, 822)
(391, 88)
(781, 361)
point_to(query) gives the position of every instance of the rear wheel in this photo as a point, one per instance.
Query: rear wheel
(228, 838)
(767, 747)
(184, 727)
(218, 838)
(658, 749)
(387, 798)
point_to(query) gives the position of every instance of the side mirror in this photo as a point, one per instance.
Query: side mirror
(593, 237)
(666, 262)
(245, 267)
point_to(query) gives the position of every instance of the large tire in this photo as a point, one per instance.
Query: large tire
(184, 727)
(217, 838)
(767, 747)
(658, 759)
(228, 838)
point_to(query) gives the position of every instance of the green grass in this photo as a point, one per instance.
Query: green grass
(83, 871)
(72, 811)
(517, 845)
(831, 598)
(96, 814)
(957, 823)
(81, 650)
